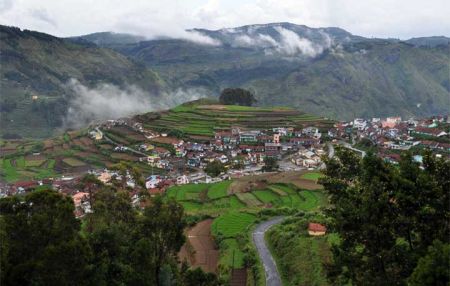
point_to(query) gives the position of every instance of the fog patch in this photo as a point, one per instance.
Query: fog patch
(199, 38)
(287, 43)
(108, 101)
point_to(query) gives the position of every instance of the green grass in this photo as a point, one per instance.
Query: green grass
(8, 171)
(231, 224)
(231, 254)
(219, 190)
(186, 192)
(312, 176)
(309, 200)
(235, 203)
(249, 199)
(191, 206)
(193, 120)
(267, 196)
(300, 258)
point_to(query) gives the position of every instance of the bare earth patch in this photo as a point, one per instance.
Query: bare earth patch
(213, 107)
(200, 249)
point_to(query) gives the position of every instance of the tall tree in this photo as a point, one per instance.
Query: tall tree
(162, 224)
(237, 96)
(386, 216)
(42, 236)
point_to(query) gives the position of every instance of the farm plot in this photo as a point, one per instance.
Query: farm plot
(311, 176)
(232, 255)
(219, 190)
(34, 163)
(249, 199)
(232, 224)
(186, 192)
(267, 196)
(72, 162)
(200, 249)
(124, 156)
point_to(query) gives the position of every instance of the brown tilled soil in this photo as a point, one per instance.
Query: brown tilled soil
(200, 249)
(238, 277)
(212, 106)
(248, 183)
(165, 140)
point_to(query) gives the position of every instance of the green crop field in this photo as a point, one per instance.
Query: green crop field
(267, 196)
(249, 199)
(231, 224)
(203, 118)
(8, 171)
(214, 199)
(312, 176)
(231, 254)
(310, 200)
(219, 190)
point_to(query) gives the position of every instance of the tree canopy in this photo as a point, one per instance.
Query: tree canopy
(387, 218)
(42, 243)
(237, 96)
(214, 168)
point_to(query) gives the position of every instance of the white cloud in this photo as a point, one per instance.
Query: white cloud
(288, 44)
(107, 101)
(292, 44)
(378, 18)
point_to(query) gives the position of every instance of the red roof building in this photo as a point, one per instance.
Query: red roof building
(316, 229)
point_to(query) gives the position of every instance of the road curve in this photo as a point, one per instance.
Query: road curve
(270, 268)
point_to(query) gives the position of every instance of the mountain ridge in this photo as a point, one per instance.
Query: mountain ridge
(325, 71)
(346, 77)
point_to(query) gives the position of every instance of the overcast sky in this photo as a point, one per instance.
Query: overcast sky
(371, 18)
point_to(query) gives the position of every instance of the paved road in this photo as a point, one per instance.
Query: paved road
(270, 268)
(330, 155)
(348, 146)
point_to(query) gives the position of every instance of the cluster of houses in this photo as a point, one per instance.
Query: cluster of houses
(393, 133)
(249, 148)
(184, 161)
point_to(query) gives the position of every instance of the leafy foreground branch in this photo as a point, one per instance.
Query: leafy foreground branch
(393, 221)
(43, 244)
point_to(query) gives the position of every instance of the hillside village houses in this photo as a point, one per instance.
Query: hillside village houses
(184, 161)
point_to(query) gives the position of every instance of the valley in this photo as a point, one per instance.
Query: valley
(271, 154)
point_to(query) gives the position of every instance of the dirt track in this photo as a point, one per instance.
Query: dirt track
(200, 249)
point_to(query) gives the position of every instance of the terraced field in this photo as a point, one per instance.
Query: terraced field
(197, 119)
(216, 199)
(235, 213)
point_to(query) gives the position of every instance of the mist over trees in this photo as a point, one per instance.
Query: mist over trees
(237, 96)
(393, 221)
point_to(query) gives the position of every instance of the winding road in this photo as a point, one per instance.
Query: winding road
(270, 267)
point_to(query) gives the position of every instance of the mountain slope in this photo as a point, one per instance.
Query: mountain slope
(327, 71)
(36, 69)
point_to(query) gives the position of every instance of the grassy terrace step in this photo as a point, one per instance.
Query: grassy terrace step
(198, 118)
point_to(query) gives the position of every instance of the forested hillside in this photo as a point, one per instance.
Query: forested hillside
(36, 69)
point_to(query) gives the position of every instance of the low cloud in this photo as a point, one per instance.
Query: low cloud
(199, 38)
(292, 44)
(107, 101)
(288, 43)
